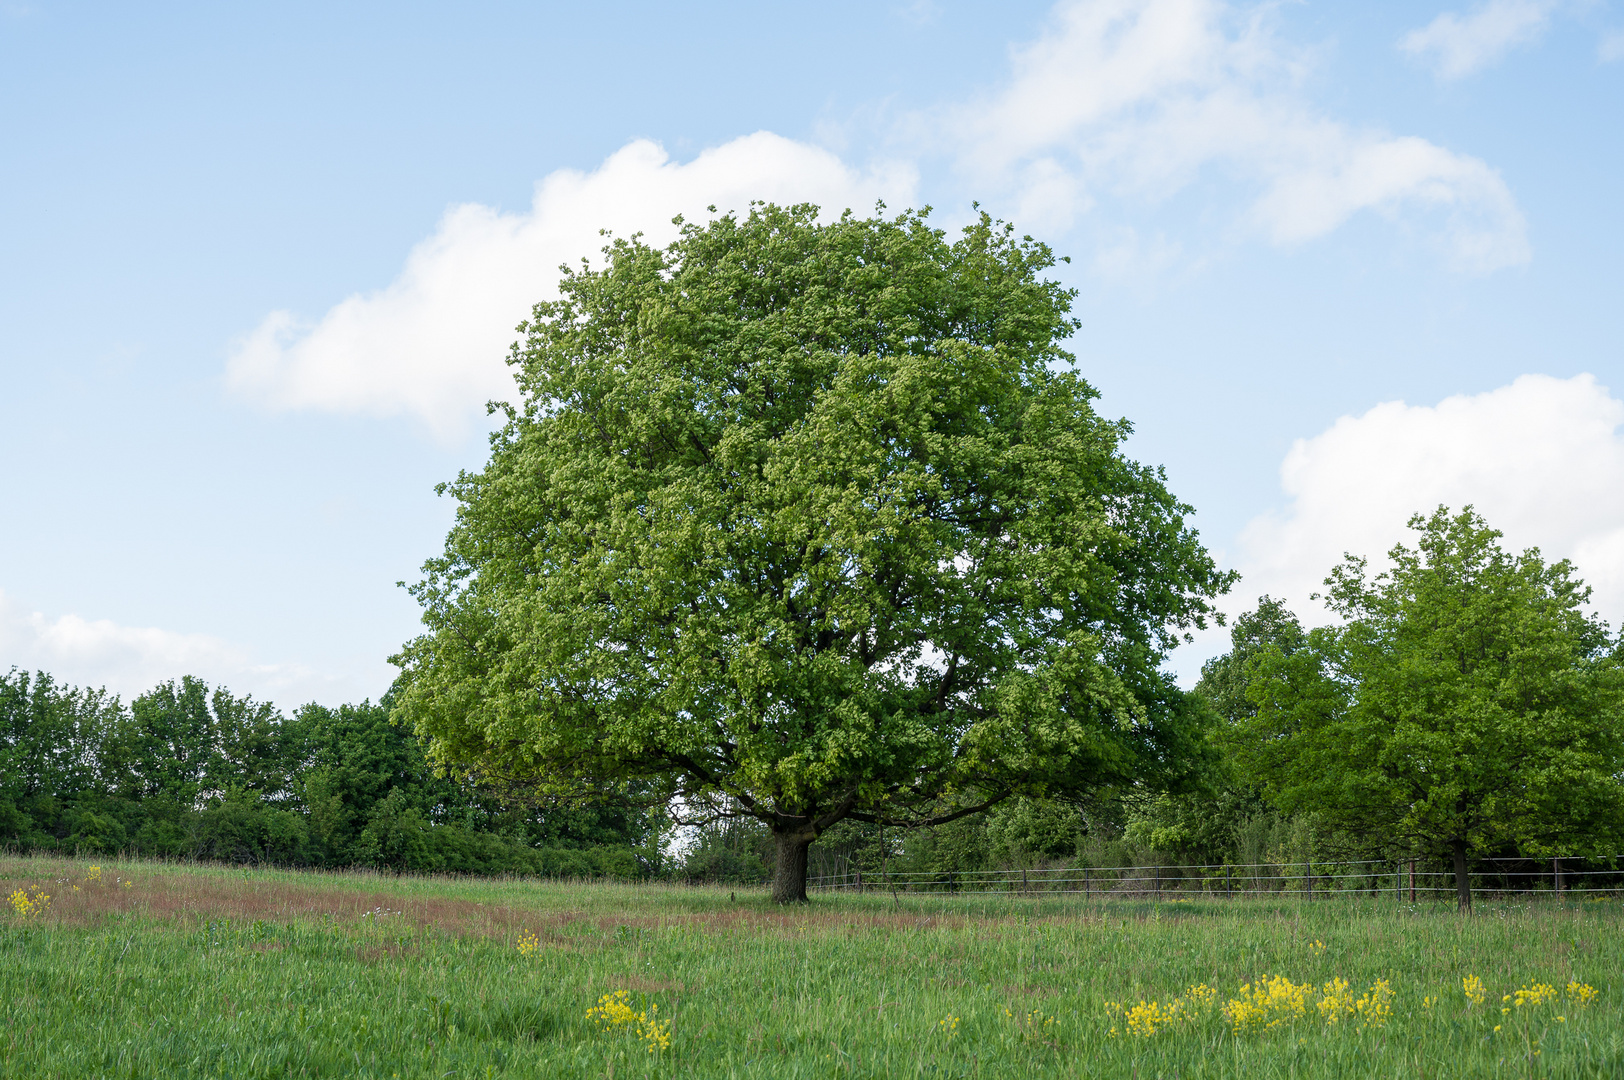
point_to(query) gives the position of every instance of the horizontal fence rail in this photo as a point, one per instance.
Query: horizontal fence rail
(1404, 880)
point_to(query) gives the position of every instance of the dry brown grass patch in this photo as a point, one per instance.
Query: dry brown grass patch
(188, 896)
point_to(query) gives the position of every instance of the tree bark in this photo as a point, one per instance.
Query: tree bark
(789, 866)
(1463, 883)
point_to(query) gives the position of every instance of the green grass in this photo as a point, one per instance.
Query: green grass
(200, 972)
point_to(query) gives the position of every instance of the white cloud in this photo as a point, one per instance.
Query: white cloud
(1132, 99)
(1140, 98)
(1457, 45)
(432, 344)
(1541, 459)
(129, 660)
(1611, 47)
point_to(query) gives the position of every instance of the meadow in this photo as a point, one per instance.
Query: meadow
(135, 969)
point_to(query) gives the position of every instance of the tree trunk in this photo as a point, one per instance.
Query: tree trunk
(789, 866)
(1463, 884)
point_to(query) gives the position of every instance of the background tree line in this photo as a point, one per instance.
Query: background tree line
(186, 771)
(194, 772)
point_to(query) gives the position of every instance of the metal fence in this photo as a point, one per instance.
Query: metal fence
(1407, 880)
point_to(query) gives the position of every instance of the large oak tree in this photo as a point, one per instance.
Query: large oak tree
(808, 522)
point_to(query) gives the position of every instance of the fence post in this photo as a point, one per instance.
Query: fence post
(1308, 879)
(1229, 888)
(1556, 872)
(859, 879)
(1087, 884)
(885, 865)
(1025, 888)
(1412, 881)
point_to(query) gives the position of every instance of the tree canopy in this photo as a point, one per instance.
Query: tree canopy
(1466, 703)
(808, 522)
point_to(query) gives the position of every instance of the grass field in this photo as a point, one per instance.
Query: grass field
(155, 971)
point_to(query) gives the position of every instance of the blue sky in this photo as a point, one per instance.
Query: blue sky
(1337, 263)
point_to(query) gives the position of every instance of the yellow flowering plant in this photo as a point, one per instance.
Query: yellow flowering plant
(1376, 1006)
(614, 1012)
(1274, 1002)
(1338, 1002)
(1580, 994)
(1524, 1003)
(1271, 1002)
(29, 905)
(1533, 994)
(1147, 1018)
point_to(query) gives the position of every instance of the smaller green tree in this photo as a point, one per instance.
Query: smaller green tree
(1467, 702)
(1226, 680)
(163, 746)
(249, 749)
(50, 736)
(1205, 821)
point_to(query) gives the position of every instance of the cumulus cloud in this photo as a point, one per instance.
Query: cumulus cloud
(1128, 99)
(129, 660)
(1457, 45)
(1541, 459)
(432, 344)
(1139, 98)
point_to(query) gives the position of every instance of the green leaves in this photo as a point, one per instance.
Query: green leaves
(1467, 700)
(811, 517)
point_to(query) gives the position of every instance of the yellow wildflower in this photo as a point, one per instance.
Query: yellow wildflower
(28, 906)
(1581, 993)
(1269, 1003)
(1535, 994)
(614, 1012)
(1338, 1001)
(1377, 1004)
(1149, 1017)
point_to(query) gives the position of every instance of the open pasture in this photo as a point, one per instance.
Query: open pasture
(144, 970)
